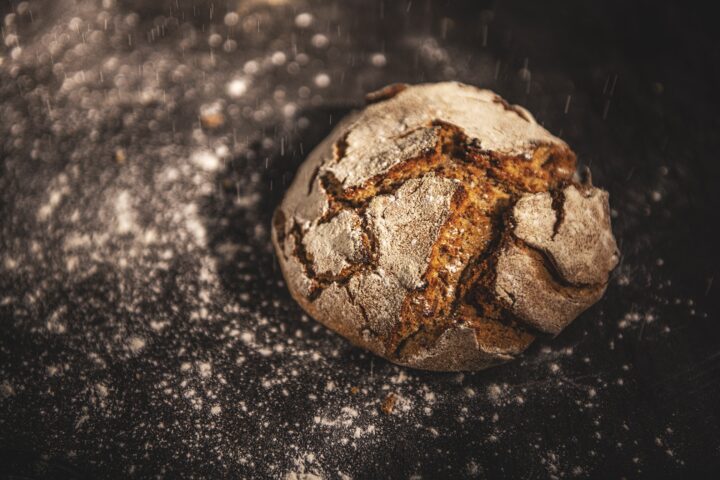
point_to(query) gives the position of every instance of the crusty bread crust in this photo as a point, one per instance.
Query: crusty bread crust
(442, 229)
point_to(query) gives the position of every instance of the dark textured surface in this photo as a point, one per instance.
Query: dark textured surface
(144, 327)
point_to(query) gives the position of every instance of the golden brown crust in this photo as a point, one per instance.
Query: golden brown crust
(442, 245)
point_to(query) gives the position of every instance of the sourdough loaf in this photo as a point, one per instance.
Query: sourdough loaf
(444, 229)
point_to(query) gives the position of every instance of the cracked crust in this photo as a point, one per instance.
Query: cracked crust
(335, 245)
(441, 228)
(420, 205)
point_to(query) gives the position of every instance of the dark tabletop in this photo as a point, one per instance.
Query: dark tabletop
(146, 331)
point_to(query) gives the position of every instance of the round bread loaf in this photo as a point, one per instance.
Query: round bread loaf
(443, 229)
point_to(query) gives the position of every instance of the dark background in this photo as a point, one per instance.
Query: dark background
(89, 388)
